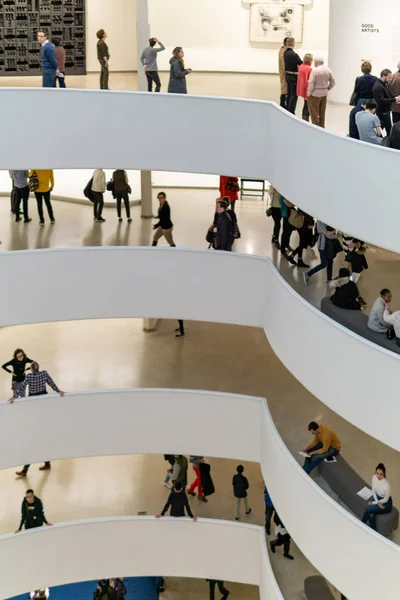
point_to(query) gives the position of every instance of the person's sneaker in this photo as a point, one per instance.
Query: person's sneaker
(18, 219)
(301, 263)
(120, 219)
(129, 220)
(100, 220)
(247, 512)
(44, 467)
(28, 220)
(180, 334)
(237, 518)
(191, 493)
(224, 597)
(20, 473)
(289, 556)
(306, 277)
(272, 547)
(202, 499)
(52, 221)
(277, 245)
(41, 223)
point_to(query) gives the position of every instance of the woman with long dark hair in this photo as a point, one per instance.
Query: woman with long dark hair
(382, 500)
(18, 367)
(177, 73)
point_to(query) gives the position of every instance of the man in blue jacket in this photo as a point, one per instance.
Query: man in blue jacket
(48, 60)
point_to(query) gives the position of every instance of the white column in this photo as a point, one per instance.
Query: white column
(142, 35)
(361, 30)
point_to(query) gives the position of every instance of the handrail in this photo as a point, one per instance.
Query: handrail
(311, 345)
(238, 427)
(260, 140)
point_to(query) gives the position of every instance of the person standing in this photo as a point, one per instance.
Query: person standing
(384, 98)
(180, 330)
(368, 124)
(121, 191)
(178, 502)
(222, 589)
(196, 462)
(324, 445)
(18, 367)
(98, 189)
(287, 228)
(164, 226)
(302, 84)
(382, 500)
(292, 63)
(269, 511)
(60, 57)
(177, 74)
(229, 189)
(45, 185)
(149, 62)
(320, 83)
(179, 470)
(282, 74)
(364, 84)
(48, 60)
(103, 56)
(274, 210)
(21, 190)
(395, 89)
(282, 538)
(240, 485)
(223, 229)
(32, 512)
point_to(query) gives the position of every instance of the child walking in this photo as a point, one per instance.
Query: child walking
(240, 486)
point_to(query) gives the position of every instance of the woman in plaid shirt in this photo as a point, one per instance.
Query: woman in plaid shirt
(36, 381)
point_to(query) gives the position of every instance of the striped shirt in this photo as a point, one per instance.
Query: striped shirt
(36, 383)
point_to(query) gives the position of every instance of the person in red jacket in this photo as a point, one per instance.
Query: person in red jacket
(229, 187)
(302, 84)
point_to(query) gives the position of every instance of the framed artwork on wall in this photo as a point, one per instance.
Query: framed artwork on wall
(271, 22)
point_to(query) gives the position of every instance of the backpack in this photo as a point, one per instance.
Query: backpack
(88, 190)
(33, 182)
(232, 185)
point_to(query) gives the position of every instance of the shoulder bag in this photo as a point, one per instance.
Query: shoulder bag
(296, 219)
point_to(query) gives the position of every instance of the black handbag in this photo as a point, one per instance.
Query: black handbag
(353, 99)
(110, 186)
(210, 235)
(87, 192)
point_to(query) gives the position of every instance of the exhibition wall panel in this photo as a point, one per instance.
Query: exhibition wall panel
(237, 427)
(190, 127)
(136, 547)
(258, 297)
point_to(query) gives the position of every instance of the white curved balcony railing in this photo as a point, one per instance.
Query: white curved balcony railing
(322, 172)
(143, 422)
(312, 346)
(136, 546)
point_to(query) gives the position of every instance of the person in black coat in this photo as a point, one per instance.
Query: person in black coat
(240, 485)
(346, 293)
(207, 483)
(32, 512)
(18, 367)
(384, 97)
(223, 228)
(178, 502)
(164, 226)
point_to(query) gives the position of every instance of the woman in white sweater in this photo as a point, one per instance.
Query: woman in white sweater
(382, 502)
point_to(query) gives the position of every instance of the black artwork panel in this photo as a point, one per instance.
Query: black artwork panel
(19, 23)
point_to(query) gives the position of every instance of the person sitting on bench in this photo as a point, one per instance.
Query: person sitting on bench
(382, 502)
(325, 445)
(375, 319)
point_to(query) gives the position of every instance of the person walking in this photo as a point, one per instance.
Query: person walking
(98, 189)
(196, 462)
(42, 181)
(149, 62)
(282, 74)
(164, 226)
(382, 499)
(287, 228)
(177, 74)
(302, 84)
(179, 470)
(394, 86)
(103, 56)
(170, 458)
(32, 512)
(282, 538)
(222, 589)
(384, 98)
(121, 191)
(305, 239)
(292, 63)
(60, 57)
(36, 382)
(21, 191)
(18, 367)
(269, 511)
(240, 485)
(177, 503)
(48, 60)
(180, 330)
(274, 210)
(320, 83)
(325, 235)
(223, 228)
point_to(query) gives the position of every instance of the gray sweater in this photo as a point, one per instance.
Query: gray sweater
(376, 322)
(149, 57)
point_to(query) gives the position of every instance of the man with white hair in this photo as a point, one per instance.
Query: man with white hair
(320, 83)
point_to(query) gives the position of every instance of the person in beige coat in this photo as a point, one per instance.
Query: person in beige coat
(282, 75)
(320, 83)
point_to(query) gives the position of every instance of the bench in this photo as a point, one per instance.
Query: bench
(346, 483)
(357, 321)
(317, 588)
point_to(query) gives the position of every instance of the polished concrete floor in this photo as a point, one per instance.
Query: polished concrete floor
(246, 364)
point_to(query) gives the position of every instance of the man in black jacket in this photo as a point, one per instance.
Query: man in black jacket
(384, 97)
(32, 512)
(164, 226)
(223, 230)
(292, 63)
(178, 501)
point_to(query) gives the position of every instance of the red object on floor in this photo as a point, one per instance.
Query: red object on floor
(197, 482)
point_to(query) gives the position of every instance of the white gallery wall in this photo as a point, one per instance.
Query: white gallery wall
(214, 34)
